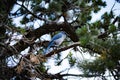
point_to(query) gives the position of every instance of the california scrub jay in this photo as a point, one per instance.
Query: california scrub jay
(56, 41)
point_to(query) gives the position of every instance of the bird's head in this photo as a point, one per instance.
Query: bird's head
(64, 33)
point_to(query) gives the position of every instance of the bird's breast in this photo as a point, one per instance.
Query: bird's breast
(59, 41)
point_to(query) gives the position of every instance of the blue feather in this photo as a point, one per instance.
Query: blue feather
(56, 41)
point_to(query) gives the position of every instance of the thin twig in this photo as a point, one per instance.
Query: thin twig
(113, 6)
(38, 17)
(62, 49)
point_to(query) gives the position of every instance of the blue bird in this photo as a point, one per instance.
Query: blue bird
(56, 41)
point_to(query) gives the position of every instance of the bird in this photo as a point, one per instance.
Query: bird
(56, 41)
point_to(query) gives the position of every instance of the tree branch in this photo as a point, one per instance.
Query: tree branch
(56, 51)
(80, 75)
(38, 17)
(34, 34)
(60, 76)
(105, 34)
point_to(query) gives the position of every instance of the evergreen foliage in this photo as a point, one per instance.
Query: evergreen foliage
(99, 39)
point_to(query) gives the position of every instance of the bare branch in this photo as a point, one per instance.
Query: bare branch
(38, 17)
(34, 34)
(56, 51)
(62, 49)
(60, 76)
(113, 5)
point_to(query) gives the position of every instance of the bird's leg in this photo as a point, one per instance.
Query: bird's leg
(55, 48)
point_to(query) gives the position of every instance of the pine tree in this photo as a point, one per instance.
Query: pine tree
(99, 39)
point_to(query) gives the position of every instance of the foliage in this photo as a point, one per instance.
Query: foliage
(24, 43)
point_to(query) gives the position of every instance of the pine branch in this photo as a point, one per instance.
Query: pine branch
(106, 33)
(56, 51)
(34, 34)
(38, 17)
(60, 76)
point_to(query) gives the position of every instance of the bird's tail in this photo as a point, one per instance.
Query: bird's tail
(47, 49)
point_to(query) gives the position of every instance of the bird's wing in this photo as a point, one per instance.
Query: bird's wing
(49, 45)
(52, 42)
(57, 36)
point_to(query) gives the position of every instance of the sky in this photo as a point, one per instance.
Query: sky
(110, 3)
(54, 69)
(95, 16)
